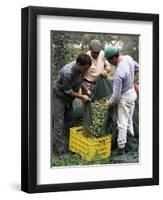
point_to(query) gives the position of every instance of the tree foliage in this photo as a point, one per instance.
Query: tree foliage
(66, 46)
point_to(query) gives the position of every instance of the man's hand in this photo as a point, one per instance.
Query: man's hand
(104, 73)
(107, 105)
(85, 98)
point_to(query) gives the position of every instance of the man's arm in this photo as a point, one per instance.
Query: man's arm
(80, 96)
(85, 90)
(67, 89)
(117, 89)
(106, 70)
(107, 65)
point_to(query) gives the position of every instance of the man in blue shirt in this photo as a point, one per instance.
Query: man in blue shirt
(124, 94)
(65, 90)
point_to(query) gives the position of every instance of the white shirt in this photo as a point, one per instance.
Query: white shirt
(97, 67)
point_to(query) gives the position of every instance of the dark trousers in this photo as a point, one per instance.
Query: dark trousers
(62, 121)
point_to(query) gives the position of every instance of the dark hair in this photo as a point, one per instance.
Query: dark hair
(115, 55)
(84, 59)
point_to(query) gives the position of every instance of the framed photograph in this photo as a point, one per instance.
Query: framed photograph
(90, 99)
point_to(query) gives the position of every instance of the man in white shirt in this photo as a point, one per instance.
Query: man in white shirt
(100, 66)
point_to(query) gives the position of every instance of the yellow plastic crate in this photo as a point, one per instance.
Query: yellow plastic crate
(89, 147)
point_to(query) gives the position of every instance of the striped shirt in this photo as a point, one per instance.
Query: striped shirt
(69, 79)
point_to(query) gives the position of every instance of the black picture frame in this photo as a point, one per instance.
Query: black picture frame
(29, 98)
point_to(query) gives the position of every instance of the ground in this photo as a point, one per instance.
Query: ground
(75, 160)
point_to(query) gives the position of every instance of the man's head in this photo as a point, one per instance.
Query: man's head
(112, 54)
(83, 62)
(95, 46)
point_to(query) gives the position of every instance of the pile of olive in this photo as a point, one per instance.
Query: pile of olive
(98, 114)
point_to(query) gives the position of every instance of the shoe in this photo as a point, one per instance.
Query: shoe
(63, 156)
(120, 152)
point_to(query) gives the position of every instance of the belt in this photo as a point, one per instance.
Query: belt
(92, 82)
